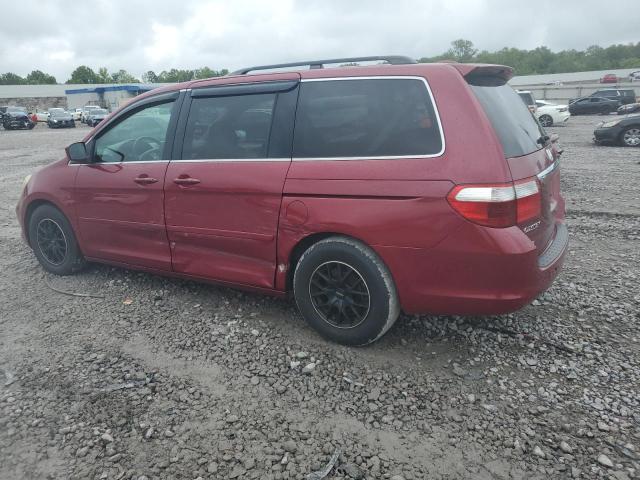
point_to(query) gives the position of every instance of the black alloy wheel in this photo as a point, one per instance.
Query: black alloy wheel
(339, 294)
(546, 120)
(51, 241)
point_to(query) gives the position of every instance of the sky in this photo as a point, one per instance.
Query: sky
(56, 36)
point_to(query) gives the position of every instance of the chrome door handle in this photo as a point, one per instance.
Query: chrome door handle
(145, 180)
(186, 181)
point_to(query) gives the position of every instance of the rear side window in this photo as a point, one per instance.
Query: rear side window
(512, 121)
(234, 127)
(366, 118)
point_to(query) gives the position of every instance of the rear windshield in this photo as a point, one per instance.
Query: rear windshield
(512, 121)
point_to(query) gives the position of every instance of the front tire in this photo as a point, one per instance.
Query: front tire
(630, 137)
(546, 120)
(345, 291)
(53, 241)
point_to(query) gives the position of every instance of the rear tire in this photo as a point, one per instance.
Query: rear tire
(546, 120)
(53, 241)
(345, 291)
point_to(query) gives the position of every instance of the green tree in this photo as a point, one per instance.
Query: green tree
(206, 72)
(37, 77)
(11, 79)
(122, 76)
(461, 50)
(83, 74)
(150, 77)
(175, 76)
(103, 75)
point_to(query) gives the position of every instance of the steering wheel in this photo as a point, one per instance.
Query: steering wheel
(146, 148)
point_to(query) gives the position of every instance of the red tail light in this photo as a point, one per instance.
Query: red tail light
(500, 205)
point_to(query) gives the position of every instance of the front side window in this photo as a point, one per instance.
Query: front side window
(366, 118)
(139, 137)
(234, 127)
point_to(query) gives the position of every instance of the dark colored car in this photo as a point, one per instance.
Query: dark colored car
(593, 105)
(629, 108)
(60, 119)
(623, 131)
(624, 96)
(362, 191)
(95, 116)
(15, 118)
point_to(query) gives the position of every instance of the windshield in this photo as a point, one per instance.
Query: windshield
(99, 111)
(16, 109)
(517, 129)
(53, 111)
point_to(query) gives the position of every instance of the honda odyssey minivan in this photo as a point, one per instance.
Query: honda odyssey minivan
(362, 191)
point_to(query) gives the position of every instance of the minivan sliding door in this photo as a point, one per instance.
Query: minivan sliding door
(223, 189)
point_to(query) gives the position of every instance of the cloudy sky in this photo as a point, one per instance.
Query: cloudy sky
(140, 35)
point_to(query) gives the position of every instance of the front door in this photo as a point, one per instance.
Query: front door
(223, 192)
(119, 195)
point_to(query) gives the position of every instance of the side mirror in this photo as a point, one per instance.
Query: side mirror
(77, 153)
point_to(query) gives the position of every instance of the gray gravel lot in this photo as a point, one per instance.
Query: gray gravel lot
(163, 378)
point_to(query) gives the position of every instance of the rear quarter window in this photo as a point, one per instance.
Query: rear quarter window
(378, 117)
(515, 126)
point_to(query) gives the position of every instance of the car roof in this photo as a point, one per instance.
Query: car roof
(414, 69)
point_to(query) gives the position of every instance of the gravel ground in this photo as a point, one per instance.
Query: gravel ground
(162, 378)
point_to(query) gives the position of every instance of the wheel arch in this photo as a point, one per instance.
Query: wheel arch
(305, 243)
(31, 207)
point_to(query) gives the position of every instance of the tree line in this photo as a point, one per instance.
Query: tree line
(86, 75)
(540, 60)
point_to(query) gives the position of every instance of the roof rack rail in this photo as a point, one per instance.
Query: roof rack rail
(314, 64)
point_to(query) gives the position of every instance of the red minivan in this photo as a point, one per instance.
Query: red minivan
(427, 188)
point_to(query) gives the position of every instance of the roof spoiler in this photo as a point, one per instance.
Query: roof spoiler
(485, 75)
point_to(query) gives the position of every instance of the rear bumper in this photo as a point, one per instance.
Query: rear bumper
(475, 271)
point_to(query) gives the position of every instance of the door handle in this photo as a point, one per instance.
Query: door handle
(186, 181)
(145, 180)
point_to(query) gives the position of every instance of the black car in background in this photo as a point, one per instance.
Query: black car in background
(16, 117)
(623, 131)
(591, 105)
(95, 116)
(624, 96)
(59, 118)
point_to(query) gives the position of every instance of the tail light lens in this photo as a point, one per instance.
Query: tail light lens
(500, 205)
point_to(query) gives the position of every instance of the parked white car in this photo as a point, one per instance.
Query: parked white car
(41, 115)
(549, 113)
(635, 76)
(86, 111)
(75, 113)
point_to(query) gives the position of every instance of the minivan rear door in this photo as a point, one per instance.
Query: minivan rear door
(528, 152)
(223, 188)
